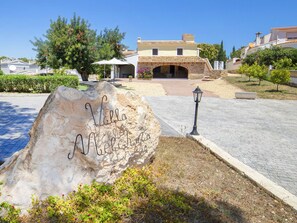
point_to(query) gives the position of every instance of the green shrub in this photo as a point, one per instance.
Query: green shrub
(9, 213)
(35, 84)
(133, 196)
(280, 77)
(61, 71)
(1, 72)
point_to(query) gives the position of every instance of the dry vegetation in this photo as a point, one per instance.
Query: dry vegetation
(221, 194)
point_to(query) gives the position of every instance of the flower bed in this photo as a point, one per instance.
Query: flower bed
(145, 73)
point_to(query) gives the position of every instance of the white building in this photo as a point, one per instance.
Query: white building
(283, 36)
(131, 69)
(10, 66)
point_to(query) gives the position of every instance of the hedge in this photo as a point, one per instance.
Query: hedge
(36, 84)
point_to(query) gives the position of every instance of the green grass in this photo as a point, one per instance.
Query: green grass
(266, 90)
(82, 87)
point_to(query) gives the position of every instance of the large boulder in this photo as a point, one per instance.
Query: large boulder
(79, 137)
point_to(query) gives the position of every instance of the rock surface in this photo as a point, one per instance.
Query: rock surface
(79, 137)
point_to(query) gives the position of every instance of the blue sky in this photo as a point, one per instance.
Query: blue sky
(234, 22)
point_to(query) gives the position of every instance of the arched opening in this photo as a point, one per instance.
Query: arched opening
(170, 71)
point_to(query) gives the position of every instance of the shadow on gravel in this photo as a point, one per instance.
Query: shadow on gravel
(187, 209)
(15, 124)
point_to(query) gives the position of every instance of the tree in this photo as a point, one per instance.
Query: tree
(218, 47)
(249, 72)
(75, 45)
(110, 42)
(42, 49)
(81, 52)
(285, 63)
(3, 58)
(71, 45)
(259, 72)
(208, 51)
(233, 51)
(24, 59)
(222, 53)
(236, 53)
(243, 69)
(251, 59)
(280, 77)
(271, 55)
(255, 70)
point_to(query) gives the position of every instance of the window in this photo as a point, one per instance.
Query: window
(292, 35)
(155, 52)
(179, 51)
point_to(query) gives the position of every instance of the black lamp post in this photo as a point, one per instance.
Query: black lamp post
(197, 94)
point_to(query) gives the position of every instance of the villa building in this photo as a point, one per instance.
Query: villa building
(283, 37)
(167, 59)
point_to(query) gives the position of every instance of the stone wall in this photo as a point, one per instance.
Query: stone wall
(215, 74)
(233, 66)
(196, 66)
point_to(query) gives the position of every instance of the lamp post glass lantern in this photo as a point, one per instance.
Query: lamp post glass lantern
(197, 94)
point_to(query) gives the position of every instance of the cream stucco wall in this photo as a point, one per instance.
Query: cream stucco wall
(167, 49)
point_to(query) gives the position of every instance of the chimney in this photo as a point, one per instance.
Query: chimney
(258, 39)
(188, 38)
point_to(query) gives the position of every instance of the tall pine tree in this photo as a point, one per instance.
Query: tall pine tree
(236, 53)
(222, 53)
(233, 51)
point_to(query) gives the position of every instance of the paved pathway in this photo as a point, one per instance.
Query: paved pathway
(174, 86)
(17, 113)
(260, 133)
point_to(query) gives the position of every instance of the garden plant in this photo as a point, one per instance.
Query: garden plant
(145, 73)
(280, 77)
